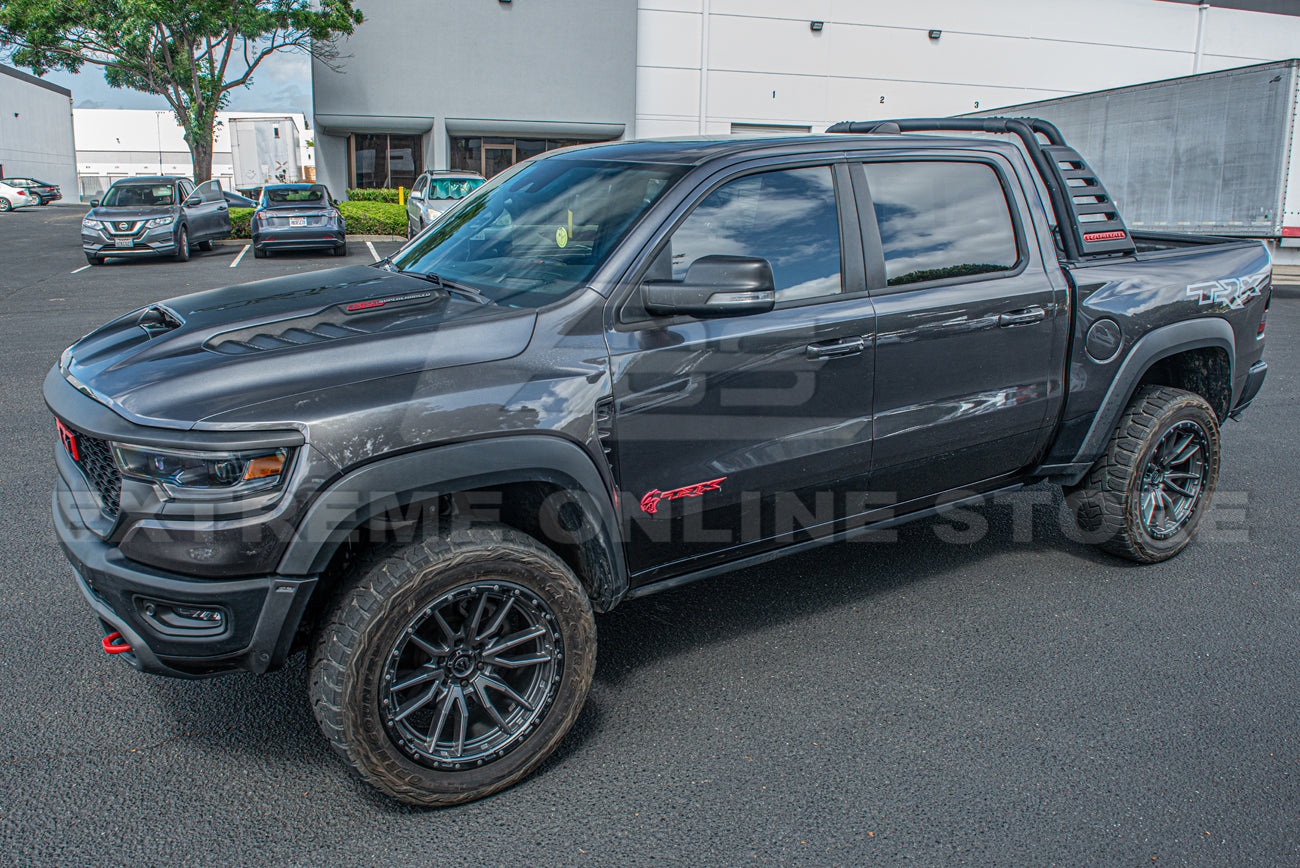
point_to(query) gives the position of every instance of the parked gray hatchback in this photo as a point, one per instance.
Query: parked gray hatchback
(153, 215)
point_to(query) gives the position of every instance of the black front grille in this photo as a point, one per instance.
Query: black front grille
(95, 458)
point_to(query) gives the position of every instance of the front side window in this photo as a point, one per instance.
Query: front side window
(537, 233)
(941, 220)
(787, 217)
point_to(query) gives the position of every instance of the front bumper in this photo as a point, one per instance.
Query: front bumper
(156, 241)
(257, 618)
(299, 239)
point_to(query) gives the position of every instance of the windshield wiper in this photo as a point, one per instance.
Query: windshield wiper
(460, 289)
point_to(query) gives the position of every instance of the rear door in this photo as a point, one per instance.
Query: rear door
(971, 329)
(744, 432)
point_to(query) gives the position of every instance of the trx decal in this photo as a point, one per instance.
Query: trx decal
(1232, 291)
(650, 503)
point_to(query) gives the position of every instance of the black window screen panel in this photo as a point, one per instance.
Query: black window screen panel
(941, 220)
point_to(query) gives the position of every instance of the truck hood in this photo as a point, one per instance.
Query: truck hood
(185, 360)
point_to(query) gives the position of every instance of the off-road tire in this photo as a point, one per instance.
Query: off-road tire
(1109, 500)
(371, 622)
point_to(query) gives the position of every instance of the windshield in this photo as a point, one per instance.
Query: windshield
(293, 197)
(139, 195)
(532, 236)
(453, 188)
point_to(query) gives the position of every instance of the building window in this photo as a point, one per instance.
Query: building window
(489, 155)
(384, 160)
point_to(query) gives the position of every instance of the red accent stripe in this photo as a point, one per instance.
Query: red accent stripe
(1105, 236)
(1291, 231)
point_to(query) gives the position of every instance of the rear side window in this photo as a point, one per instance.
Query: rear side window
(787, 217)
(941, 220)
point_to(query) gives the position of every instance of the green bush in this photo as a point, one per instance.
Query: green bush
(239, 218)
(388, 194)
(374, 218)
(361, 218)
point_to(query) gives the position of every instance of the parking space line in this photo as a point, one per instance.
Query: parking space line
(82, 268)
(373, 251)
(240, 256)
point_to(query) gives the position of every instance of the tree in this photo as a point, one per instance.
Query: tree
(192, 53)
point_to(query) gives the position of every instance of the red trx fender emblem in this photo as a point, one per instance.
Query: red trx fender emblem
(650, 503)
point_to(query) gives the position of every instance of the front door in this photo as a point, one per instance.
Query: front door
(747, 432)
(970, 328)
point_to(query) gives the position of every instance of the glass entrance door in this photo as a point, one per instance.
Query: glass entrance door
(497, 158)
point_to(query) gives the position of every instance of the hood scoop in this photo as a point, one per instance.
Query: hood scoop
(159, 319)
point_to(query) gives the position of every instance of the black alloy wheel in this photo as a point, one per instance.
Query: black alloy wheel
(1173, 479)
(468, 679)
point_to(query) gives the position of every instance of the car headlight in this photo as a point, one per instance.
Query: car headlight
(204, 473)
(430, 213)
(159, 221)
(87, 223)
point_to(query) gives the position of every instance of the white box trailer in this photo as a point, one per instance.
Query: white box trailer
(1212, 154)
(264, 151)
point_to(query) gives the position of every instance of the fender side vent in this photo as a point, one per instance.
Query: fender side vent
(605, 432)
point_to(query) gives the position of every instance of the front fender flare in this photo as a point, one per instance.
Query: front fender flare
(382, 485)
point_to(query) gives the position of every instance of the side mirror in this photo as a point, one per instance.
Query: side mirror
(94, 203)
(714, 286)
(415, 194)
(192, 201)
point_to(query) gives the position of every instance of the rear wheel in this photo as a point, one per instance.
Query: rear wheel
(259, 252)
(182, 253)
(1144, 498)
(5, 204)
(204, 245)
(452, 667)
(341, 250)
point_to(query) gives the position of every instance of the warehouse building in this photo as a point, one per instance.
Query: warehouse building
(481, 84)
(36, 138)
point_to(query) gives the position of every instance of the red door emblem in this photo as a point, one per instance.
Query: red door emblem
(650, 503)
(69, 439)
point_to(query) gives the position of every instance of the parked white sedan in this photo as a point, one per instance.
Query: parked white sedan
(12, 197)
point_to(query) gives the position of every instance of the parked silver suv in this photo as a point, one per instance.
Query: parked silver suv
(435, 192)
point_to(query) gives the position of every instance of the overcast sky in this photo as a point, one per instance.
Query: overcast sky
(281, 83)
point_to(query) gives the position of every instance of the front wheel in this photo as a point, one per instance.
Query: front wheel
(452, 667)
(5, 204)
(1144, 498)
(182, 253)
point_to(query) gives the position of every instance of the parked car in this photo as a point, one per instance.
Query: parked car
(154, 215)
(234, 200)
(47, 192)
(435, 192)
(297, 217)
(12, 196)
(623, 369)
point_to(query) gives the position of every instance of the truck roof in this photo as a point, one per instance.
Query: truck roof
(696, 150)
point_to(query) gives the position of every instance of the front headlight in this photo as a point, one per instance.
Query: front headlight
(159, 221)
(87, 223)
(204, 473)
(432, 213)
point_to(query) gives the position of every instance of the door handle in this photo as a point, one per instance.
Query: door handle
(221, 207)
(835, 349)
(1022, 317)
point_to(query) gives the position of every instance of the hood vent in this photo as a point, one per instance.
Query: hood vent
(252, 341)
(158, 320)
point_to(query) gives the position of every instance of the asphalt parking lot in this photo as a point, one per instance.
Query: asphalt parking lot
(982, 691)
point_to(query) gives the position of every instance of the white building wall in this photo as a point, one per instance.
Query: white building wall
(703, 65)
(36, 132)
(121, 143)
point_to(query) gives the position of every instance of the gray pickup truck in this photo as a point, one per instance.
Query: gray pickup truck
(615, 369)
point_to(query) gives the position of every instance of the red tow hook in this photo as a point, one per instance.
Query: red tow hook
(114, 644)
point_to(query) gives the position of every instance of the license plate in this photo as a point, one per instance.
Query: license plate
(297, 221)
(123, 242)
